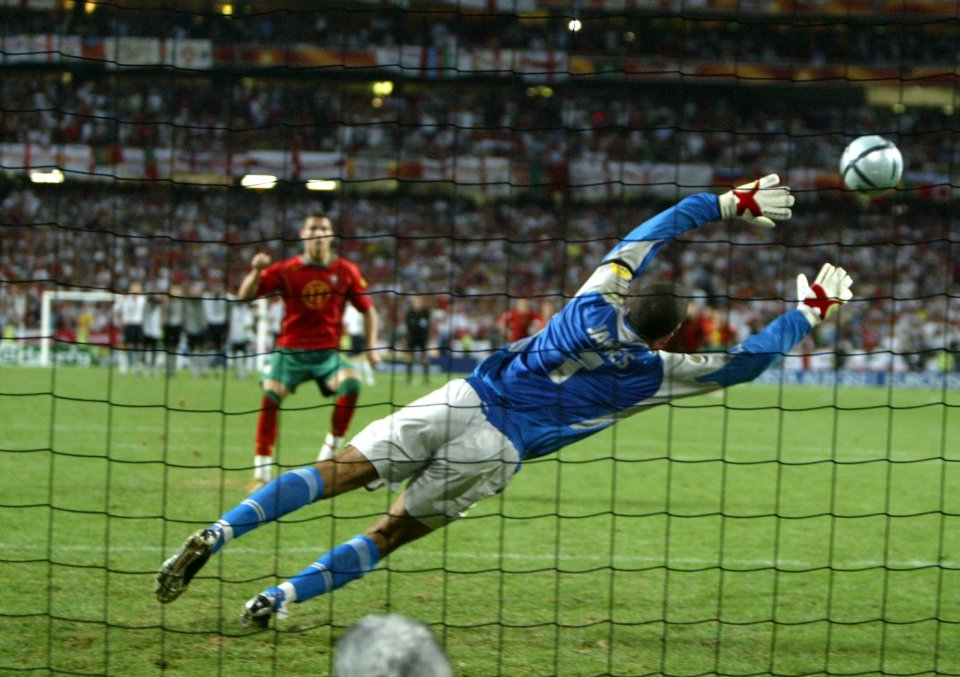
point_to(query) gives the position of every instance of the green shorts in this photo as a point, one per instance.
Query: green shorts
(293, 367)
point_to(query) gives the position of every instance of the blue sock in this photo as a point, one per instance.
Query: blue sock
(346, 562)
(290, 491)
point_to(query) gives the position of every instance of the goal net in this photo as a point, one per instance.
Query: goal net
(477, 162)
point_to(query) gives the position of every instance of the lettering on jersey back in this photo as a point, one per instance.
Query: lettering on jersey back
(611, 348)
(607, 349)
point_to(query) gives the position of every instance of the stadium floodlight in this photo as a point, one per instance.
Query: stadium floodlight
(383, 88)
(53, 176)
(259, 181)
(540, 90)
(574, 25)
(323, 184)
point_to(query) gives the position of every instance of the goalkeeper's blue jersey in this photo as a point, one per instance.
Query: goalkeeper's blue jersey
(588, 367)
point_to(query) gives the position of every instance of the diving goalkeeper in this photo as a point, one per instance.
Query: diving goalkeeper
(591, 365)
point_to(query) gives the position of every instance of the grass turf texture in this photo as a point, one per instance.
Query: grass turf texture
(767, 531)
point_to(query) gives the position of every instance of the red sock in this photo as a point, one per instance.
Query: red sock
(343, 414)
(267, 426)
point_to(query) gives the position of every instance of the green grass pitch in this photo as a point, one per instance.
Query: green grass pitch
(802, 531)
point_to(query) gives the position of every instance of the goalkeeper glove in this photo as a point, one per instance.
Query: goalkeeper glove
(830, 290)
(758, 202)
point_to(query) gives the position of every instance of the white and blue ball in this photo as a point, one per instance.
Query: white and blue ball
(871, 164)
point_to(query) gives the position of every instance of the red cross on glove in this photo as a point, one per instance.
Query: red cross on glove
(829, 290)
(747, 200)
(821, 303)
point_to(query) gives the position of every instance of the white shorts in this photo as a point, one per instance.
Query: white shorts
(446, 446)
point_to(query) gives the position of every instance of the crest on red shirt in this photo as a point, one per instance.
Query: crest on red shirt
(315, 294)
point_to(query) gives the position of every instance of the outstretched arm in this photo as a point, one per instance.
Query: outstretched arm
(689, 374)
(760, 202)
(639, 247)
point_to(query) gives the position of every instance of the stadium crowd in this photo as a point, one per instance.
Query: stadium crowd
(446, 120)
(473, 268)
(108, 237)
(806, 38)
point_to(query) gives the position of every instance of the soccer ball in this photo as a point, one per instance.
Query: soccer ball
(871, 164)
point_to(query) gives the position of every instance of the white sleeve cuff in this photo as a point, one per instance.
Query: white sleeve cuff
(813, 317)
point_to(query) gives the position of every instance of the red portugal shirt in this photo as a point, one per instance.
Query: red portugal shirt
(314, 299)
(519, 324)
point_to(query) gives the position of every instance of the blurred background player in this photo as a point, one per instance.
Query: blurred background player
(390, 645)
(216, 313)
(520, 321)
(240, 335)
(315, 288)
(417, 322)
(172, 327)
(274, 320)
(547, 309)
(195, 327)
(152, 330)
(129, 312)
(355, 340)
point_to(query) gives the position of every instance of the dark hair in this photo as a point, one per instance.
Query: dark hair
(656, 310)
(318, 214)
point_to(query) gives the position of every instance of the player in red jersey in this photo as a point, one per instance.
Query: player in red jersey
(315, 287)
(520, 321)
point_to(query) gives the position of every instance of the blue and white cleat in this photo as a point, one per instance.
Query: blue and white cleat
(176, 573)
(258, 611)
